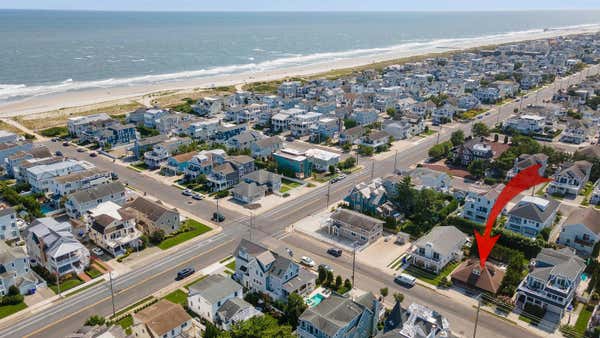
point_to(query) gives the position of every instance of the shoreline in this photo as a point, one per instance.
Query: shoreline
(96, 98)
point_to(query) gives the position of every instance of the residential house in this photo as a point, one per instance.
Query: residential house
(325, 128)
(576, 132)
(488, 95)
(417, 321)
(261, 270)
(525, 161)
(322, 160)
(570, 179)
(113, 228)
(154, 216)
(282, 120)
(248, 192)
(553, 281)
(352, 135)
(203, 163)
(220, 300)
(244, 140)
(367, 197)
(354, 226)
(468, 102)
(595, 196)
(177, 164)
(9, 148)
(151, 116)
(203, 130)
(264, 148)
(289, 88)
(478, 204)
(141, 146)
(375, 139)
(78, 125)
(264, 178)
(425, 178)
(116, 134)
(226, 131)
(14, 264)
(12, 163)
(581, 231)
(208, 106)
(443, 114)
(531, 215)
(339, 316)
(164, 319)
(470, 274)
(68, 184)
(405, 128)
(474, 149)
(161, 152)
(292, 162)
(80, 202)
(9, 230)
(8, 137)
(40, 177)
(525, 124)
(364, 117)
(303, 124)
(52, 245)
(442, 245)
(227, 174)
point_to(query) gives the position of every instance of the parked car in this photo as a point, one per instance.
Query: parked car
(197, 196)
(65, 144)
(336, 252)
(325, 267)
(114, 176)
(93, 154)
(290, 252)
(186, 272)
(58, 153)
(404, 279)
(307, 261)
(187, 192)
(217, 217)
(97, 251)
(80, 150)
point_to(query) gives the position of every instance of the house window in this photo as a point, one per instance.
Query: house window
(436, 255)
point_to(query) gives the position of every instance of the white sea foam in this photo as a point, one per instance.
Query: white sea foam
(12, 91)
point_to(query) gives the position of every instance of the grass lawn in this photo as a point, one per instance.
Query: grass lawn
(429, 277)
(225, 259)
(287, 185)
(93, 273)
(177, 297)
(231, 266)
(197, 229)
(66, 285)
(540, 192)
(120, 312)
(582, 320)
(126, 323)
(427, 133)
(85, 287)
(469, 114)
(528, 320)
(7, 310)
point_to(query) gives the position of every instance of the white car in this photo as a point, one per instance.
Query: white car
(97, 251)
(307, 261)
(187, 192)
(197, 196)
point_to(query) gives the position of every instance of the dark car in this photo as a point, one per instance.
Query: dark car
(336, 252)
(114, 175)
(185, 273)
(58, 153)
(218, 217)
(65, 144)
(93, 154)
(325, 267)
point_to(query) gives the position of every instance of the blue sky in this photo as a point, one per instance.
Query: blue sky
(299, 5)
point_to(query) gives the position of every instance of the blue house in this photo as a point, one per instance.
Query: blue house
(177, 164)
(292, 162)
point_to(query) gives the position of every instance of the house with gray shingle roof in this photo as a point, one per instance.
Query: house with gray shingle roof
(354, 226)
(78, 203)
(220, 300)
(265, 147)
(261, 270)
(14, 264)
(581, 231)
(339, 316)
(152, 216)
(442, 245)
(571, 178)
(8, 224)
(531, 215)
(553, 282)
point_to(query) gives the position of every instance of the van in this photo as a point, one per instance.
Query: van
(184, 273)
(405, 279)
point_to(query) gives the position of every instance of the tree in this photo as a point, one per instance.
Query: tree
(457, 138)
(322, 277)
(95, 320)
(293, 309)
(211, 330)
(364, 150)
(259, 327)
(391, 112)
(496, 137)
(383, 292)
(329, 279)
(348, 123)
(480, 129)
(440, 150)
(477, 168)
(398, 297)
(156, 237)
(596, 250)
(347, 284)
(332, 169)
(13, 291)
(338, 282)
(505, 139)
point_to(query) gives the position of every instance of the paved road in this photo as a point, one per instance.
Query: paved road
(68, 315)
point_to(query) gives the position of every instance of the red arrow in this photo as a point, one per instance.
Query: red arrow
(524, 180)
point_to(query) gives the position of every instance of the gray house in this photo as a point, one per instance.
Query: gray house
(442, 245)
(355, 226)
(14, 265)
(152, 216)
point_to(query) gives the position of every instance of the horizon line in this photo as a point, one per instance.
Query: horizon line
(298, 11)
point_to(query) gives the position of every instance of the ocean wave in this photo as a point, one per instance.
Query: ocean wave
(282, 61)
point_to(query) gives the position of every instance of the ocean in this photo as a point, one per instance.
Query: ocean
(43, 52)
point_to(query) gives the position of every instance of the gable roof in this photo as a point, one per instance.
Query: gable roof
(97, 192)
(578, 169)
(214, 288)
(488, 279)
(231, 307)
(332, 314)
(356, 219)
(152, 210)
(443, 239)
(532, 211)
(562, 262)
(590, 217)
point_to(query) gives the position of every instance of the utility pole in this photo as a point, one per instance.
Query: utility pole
(353, 262)
(251, 224)
(112, 293)
(328, 192)
(395, 161)
(217, 210)
(438, 135)
(57, 279)
(372, 168)
(477, 317)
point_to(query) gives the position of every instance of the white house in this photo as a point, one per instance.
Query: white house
(571, 178)
(525, 124)
(113, 228)
(576, 132)
(52, 245)
(531, 215)
(78, 203)
(443, 114)
(595, 197)
(77, 181)
(581, 231)
(16, 271)
(220, 300)
(40, 177)
(8, 224)
(302, 124)
(442, 245)
(364, 117)
(479, 204)
(321, 159)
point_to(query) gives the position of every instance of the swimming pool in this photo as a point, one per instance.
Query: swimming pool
(315, 300)
(584, 276)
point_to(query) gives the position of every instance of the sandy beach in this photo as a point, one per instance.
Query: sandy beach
(99, 97)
